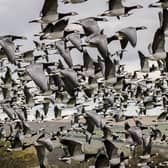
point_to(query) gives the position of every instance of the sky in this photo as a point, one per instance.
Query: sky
(15, 15)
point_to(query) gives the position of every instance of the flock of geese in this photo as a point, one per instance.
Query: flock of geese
(29, 81)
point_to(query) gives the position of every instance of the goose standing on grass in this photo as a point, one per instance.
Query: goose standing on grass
(102, 161)
(41, 145)
(116, 8)
(135, 133)
(92, 120)
(74, 148)
(115, 159)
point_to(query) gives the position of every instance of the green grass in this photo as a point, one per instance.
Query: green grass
(17, 159)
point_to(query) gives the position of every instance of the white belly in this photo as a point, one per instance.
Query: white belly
(158, 56)
(54, 35)
(117, 12)
(50, 18)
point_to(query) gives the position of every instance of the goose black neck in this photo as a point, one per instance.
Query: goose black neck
(99, 19)
(114, 37)
(138, 28)
(127, 9)
(61, 15)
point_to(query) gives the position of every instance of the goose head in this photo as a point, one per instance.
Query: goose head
(139, 6)
(142, 27)
(155, 5)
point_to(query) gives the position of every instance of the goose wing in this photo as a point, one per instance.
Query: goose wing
(115, 4)
(158, 41)
(74, 147)
(9, 48)
(130, 34)
(49, 7)
(36, 72)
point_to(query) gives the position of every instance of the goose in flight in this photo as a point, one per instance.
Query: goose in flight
(54, 31)
(64, 52)
(160, 4)
(157, 51)
(163, 16)
(143, 62)
(8, 46)
(128, 34)
(90, 24)
(75, 39)
(71, 84)
(49, 13)
(37, 74)
(100, 41)
(13, 37)
(157, 48)
(73, 1)
(9, 49)
(108, 68)
(116, 8)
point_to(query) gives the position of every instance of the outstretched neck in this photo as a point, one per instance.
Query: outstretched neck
(61, 15)
(110, 39)
(139, 28)
(127, 9)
